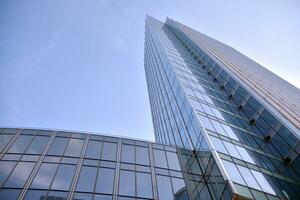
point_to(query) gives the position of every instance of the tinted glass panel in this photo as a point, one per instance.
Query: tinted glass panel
(245, 155)
(63, 178)
(231, 149)
(9, 194)
(248, 177)
(127, 183)
(105, 181)
(74, 147)
(20, 144)
(144, 185)
(142, 156)
(44, 176)
(93, 149)
(35, 195)
(19, 175)
(160, 158)
(4, 139)
(5, 168)
(87, 179)
(58, 146)
(37, 145)
(127, 153)
(173, 161)
(109, 151)
(178, 184)
(164, 187)
(263, 182)
(218, 144)
(233, 172)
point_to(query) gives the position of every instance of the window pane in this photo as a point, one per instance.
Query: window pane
(233, 172)
(173, 161)
(160, 158)
(63, 178)
(58, 146)
(87, 179)
(9, 194)
(5, 169)
(93, 149)
(232, 150)
(44, 176)
(178, 184)
(20, 174)
(218, 144)
(263, 182)
(248, 177)
(35, 195)
(102, 197)
(38, 145)
(127, 183)
(20, 144)
(4, 139)
(109, 151)
(142, 155)
(144, 185)
(74, 147)
(245, 155)
(230, 132)
(127, 153)
(105, 181)
(83, 196)
(164, 187)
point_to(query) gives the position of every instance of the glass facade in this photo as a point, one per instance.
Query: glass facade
(243, 148)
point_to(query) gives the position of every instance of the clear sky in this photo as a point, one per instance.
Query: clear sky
(78, 65)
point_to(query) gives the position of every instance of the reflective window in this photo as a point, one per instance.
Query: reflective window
(218, 144)
(233, 172)
(218, 127)
(20, 175)
(37, 145)
(127, 183)
(245, 155)
(127, 153)
(58, 146)
(263, 182)
(20, 144)
(57, 195)
(44, 176)
(144, 185)
(232, 150)
(63, 178)
(5, 168)
(230, 132)
(178, 184)
(83, 196)
(160, 158)
(142, 155)
(164, 187)
(173, 161)
(35, 195)
(93, 149)
(105, 181)
(102, 197)
(206, 123)
(74, 147)
(9, 194)
(87, 179)
(4, 139)
(248, 177)
(109, 151)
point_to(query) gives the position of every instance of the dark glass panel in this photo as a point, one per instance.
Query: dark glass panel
(44, 176)
(93, 150)
(38, 144)
(109, 151)
(74, 147)
(58, 146)
(35, 195)
(5, 168)
(4, 139)
(142, 155)
(144, 185)
(128, 154)
(105, 181)
(20, 144)
(127, 183)
(87, 179)
(20, 175)
(63, 178)
(9, 194)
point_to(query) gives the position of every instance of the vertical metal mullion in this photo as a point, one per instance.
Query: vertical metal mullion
(78, 169)
(154, 185)
(117, 170)
(36, 167)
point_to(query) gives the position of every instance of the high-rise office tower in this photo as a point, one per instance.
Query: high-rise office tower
(241, 121)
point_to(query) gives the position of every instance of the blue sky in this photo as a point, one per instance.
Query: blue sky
(78, 65)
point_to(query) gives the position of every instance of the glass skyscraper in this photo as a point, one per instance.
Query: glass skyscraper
(225, 128)
(240, 121)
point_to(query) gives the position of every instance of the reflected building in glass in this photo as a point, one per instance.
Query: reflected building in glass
(238, 122)
(225, 128)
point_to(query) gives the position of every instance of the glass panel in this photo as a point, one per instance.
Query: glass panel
(9, 194)
(231, 149)
(144, 185)
(20, 175)
(93, 150)
(127, 153)
(57, 195)
(102, 197)
(5, 168)
(127, 183)
(38, 145)
(248, 177)
(233, 172)
(178, 184)
(105, 181)
(20, 144)
(263, 182)
(218, 144)
(35, 195)
(230, 132)
(58, 146)
(142, 155)
(164, 187)
(87, 179)
(173, 161)
(63, 178)
(4, 139)
(74, 147)
(245, 155)
(109, 151)
(44, 176)
(160, 158)
(82, 196)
